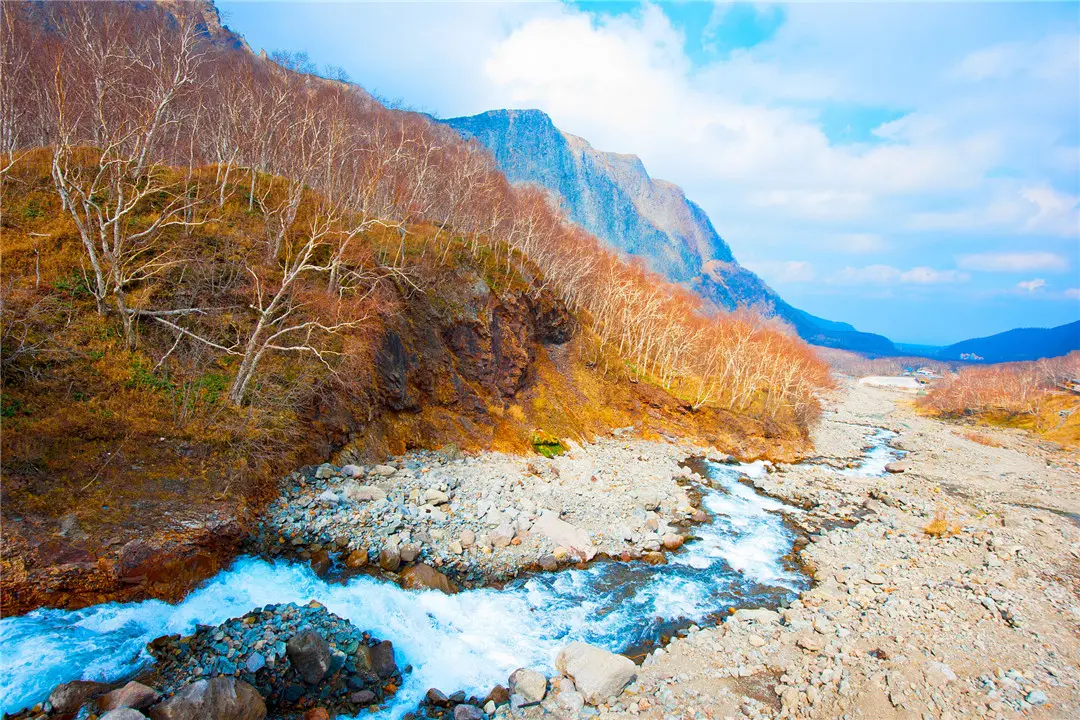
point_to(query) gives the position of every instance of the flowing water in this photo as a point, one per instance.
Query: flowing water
(471, 640)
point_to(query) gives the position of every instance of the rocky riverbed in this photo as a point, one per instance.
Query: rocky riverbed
(487, 518)
(944, 587)
(954, 595)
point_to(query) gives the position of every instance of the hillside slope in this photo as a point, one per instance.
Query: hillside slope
(612, 196)
(1017, 344)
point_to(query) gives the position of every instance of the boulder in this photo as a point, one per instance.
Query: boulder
(220, 698)
(468, 538)
(384, 470)
(468, 712)
(133, 695)
(597, 673)
(363, 698)
(760, 616)
(70, 696)
(320, 562)
(351, 471)
(672, 541)
(564, 534)
(409, 552)
(326, 470)
(357, 559)
(435, 497)
(390, 558)
(529, 684)
(938, 674)
(309, 653)
(571, 701)
(382, 659)
(328, 498)
(355, 492)
(317, 713)
(425, 577)
(123, 714)
(502, 535)
(898, 466)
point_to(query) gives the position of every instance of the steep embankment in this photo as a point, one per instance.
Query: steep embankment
(121, 482)
(612, 196)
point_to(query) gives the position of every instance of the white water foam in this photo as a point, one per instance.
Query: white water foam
(469, 641)
(878, 456)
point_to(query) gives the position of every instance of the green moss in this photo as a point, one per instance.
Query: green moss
(547, 445)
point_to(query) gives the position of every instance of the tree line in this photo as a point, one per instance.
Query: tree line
(155, 120)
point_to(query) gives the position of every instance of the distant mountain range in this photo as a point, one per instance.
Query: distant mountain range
(612, 196)
(1018, 344)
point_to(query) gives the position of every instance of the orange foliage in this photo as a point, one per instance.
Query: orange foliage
(324, 165)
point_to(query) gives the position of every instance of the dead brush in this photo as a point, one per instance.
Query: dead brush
(982, 439)
(939, 526)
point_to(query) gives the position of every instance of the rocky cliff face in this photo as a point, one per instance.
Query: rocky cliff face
(612, 196)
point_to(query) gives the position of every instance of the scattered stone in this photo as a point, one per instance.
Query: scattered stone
(898, 466)
(70, 696)
(938, 674)
(133, 695)
(390, 558)
(123, 714)
(357, 559)
(468, 712)
(310, 655)
(597, 673)
(425, 577)
(529, 684)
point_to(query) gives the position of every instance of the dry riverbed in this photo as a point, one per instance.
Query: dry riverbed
(979, 622)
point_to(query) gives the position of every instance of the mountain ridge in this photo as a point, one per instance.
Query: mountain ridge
(613, 196)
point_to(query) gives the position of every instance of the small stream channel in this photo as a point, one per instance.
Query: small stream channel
(471, 640)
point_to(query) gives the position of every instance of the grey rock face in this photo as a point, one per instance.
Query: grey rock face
(220, 698)
(613, 197)
(609, 194)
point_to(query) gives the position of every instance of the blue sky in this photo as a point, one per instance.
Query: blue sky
(913, 169)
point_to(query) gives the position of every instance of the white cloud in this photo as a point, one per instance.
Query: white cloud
(929, 276)
(1031, 286)
(887, 274)
(784, 272)
(1048, 58)
(1014, 262)
(1073, 293)
(859, 243)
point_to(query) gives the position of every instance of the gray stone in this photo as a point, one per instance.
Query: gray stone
(382, 659)
(133, 695)
(571, 701)
(70, 696)
(938, 674)
(468, 712)
(309, 653)
(1037, 697)
(597, 673)
(355, 492)
(255, 663)
(220, 698)
(529, 684)
(326, 470)
(384, 470)
(123, 714)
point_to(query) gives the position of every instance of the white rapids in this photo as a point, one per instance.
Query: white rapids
(468, 641)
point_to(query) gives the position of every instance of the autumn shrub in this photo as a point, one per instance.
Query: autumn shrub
(1019, 388)
(144, 153)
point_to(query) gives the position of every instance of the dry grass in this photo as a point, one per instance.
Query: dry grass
(982, 439)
